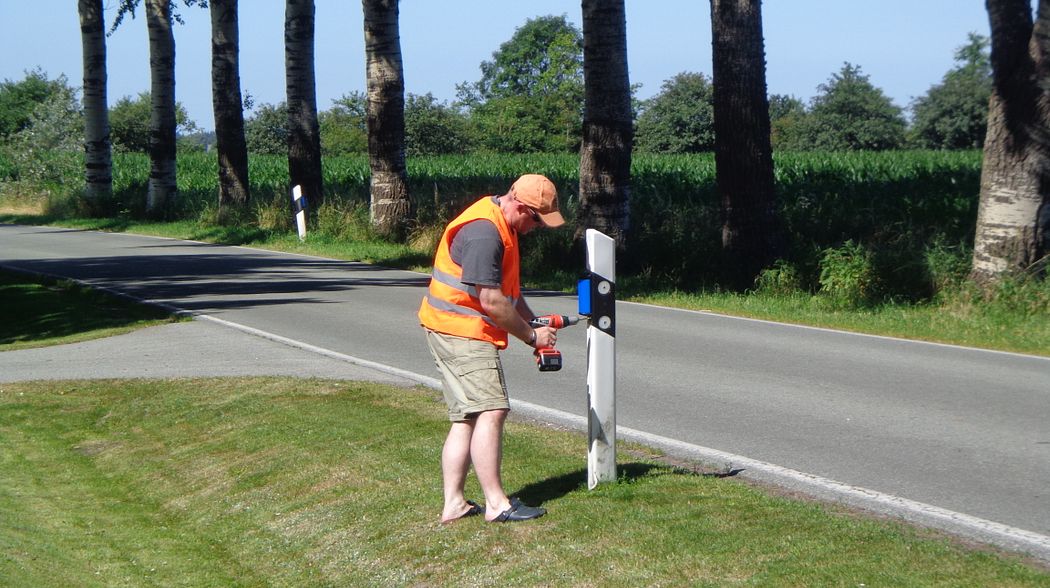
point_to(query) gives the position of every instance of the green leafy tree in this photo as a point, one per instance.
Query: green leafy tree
(267, 130)
(680, 119)
(851, 114)
(343, 125)
(18, 99)
(530, 96)
(954, 113)
(129, 122)
(55, 126)
(433, 127)
(785, 114)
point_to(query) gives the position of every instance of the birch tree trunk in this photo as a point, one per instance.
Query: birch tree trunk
(605, 153)
(385, 119)
(304, 135)
(162, 190)
(1013, 218)
(227, 106)
(743, 155)
(98, 160)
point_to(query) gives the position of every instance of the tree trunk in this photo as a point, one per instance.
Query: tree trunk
(227, 106)
(751, 238)
(1013, 218)
(162, 189)
(304, 135)
(605, 153)
(98, 160)
(385, 119)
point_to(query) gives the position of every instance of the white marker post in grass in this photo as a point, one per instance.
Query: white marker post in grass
(597, 298)
(299, 207)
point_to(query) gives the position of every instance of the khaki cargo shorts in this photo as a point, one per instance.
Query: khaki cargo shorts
(472, 373)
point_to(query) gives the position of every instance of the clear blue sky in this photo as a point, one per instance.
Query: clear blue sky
(904, 46)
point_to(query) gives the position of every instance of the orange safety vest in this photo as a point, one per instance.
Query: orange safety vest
(452, 307)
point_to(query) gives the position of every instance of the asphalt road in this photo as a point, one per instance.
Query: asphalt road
(960, 429)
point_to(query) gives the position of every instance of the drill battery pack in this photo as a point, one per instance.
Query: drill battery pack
(548, 359)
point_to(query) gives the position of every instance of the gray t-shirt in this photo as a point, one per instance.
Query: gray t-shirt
(478, 249)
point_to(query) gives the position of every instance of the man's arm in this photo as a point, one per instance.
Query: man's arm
(511, 319)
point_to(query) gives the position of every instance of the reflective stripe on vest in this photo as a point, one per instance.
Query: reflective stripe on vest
(453, 307)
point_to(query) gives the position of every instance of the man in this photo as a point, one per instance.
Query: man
(473, 306)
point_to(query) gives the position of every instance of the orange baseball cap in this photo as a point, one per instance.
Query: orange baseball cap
(539, 193)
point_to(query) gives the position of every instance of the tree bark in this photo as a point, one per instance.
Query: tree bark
(1013, 218)
(605, 153)
(98, 159)
(385, 119)
(162, 190)
(751, 237)
(304, 135)
(226, 105)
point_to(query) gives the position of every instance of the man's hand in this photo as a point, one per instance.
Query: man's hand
(545, 337)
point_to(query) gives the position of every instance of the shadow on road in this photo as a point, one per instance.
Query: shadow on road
(205, 278)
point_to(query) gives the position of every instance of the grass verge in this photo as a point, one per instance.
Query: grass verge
(36, 312)
(963, 320)
(264, 481)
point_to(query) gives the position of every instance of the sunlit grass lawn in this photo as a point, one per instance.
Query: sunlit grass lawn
(267, 481)
(989, 326)
(36, 311)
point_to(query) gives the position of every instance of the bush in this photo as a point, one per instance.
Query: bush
(343, 221)
(947, 266)
(847, 275)
(783, 279)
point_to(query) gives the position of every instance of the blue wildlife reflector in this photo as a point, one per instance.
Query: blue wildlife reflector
(583, 296)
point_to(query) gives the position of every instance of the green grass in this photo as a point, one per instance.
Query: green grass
(36, 312)
(268, 481)
(1007, 322)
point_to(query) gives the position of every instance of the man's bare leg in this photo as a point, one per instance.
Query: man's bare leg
(486, 451)
(455, 463)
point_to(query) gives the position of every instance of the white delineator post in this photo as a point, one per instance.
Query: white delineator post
(299, 206)
(601, 357)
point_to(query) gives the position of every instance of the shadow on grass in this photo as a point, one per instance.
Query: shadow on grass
(230, 235)
(407, 260)
(27, 219)
(558, 486)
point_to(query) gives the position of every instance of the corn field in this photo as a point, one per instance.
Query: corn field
(895, 203)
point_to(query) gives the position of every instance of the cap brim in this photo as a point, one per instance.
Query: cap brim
(552, 219)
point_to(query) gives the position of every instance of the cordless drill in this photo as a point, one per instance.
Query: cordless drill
(548, 358)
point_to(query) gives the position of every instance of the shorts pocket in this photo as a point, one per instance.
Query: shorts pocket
(467, 366)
